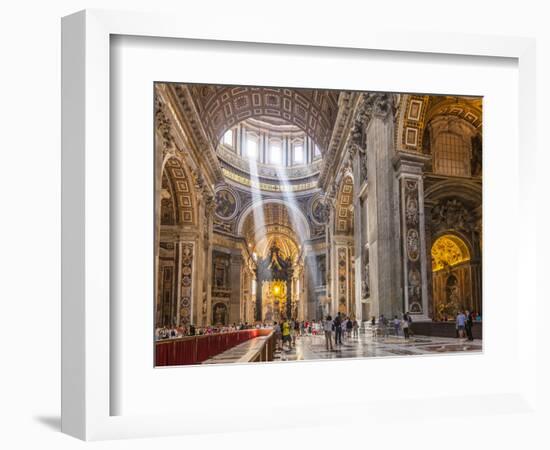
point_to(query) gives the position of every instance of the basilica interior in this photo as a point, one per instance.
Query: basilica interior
(277, 203)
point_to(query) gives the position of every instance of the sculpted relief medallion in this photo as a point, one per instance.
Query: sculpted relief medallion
(226, 204)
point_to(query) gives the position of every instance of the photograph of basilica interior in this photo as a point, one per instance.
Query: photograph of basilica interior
(309, 224)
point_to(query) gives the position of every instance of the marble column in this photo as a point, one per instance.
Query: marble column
(360, 237)
(386, 291)
(236, 288)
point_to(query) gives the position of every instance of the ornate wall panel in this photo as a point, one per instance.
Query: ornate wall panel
(186, 303)
(182, 191)
(343, 273)
(344, 213)
(413, 268)
(166, 281)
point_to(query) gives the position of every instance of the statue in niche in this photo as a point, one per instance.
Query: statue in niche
(220, 314)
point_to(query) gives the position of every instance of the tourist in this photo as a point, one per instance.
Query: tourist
(469, 325)
(338, 329)
(328, 325)
(396, 325)
(286, 334)
(278, 334)
(349, 326)
(296, 332)
(409, 320)
(405, 325)
(355, 326)
(373, 321)
(460, 324)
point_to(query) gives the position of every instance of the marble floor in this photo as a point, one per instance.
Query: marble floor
(313, 348)
(240, 353)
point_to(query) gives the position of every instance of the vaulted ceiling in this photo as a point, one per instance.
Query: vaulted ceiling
(221, 107)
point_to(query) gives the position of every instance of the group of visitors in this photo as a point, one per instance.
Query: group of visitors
(341, 326)
(285, 333)
(464, 324)
(396, 325)
(190, 330)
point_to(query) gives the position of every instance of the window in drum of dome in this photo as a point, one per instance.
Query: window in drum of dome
(228, 138)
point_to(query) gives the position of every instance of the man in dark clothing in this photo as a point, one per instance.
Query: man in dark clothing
(469, 325)
(338, 329)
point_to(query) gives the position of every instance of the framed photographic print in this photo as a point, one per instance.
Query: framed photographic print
(342, 224)
(251, 220)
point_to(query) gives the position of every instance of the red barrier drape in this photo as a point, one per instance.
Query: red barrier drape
(197, 349)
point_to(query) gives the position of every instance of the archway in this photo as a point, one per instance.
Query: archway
(175, 258)
(451, 276)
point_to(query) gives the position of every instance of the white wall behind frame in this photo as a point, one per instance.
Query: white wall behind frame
(144, 389)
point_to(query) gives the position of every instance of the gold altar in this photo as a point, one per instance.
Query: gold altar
(273, 300)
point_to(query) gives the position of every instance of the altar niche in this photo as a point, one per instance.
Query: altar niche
(274, 287)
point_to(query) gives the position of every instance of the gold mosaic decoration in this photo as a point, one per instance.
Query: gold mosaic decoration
(448, 251)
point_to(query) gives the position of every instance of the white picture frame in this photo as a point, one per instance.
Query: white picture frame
(87, 385)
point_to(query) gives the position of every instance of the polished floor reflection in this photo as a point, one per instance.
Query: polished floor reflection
(313, 348)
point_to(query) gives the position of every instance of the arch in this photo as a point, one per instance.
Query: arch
(449, 250)
(169, 212)
(468, 191)
(453, 280)
(300, 219)
(416, 111)
(286, 243)
(183, 190)
(343, 223)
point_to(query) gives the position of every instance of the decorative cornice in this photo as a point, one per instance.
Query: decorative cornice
(345, 121)
(163, 126)
(188, 117)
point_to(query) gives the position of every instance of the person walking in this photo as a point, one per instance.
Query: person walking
(460, 324)
(405, 326)
(286, 334)
(338, 330)
(409, 320)
(327, 326)
(469, 324)
(355, 326)
(349, 327)
(396, 325)
(278, 335)
(296, 331)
